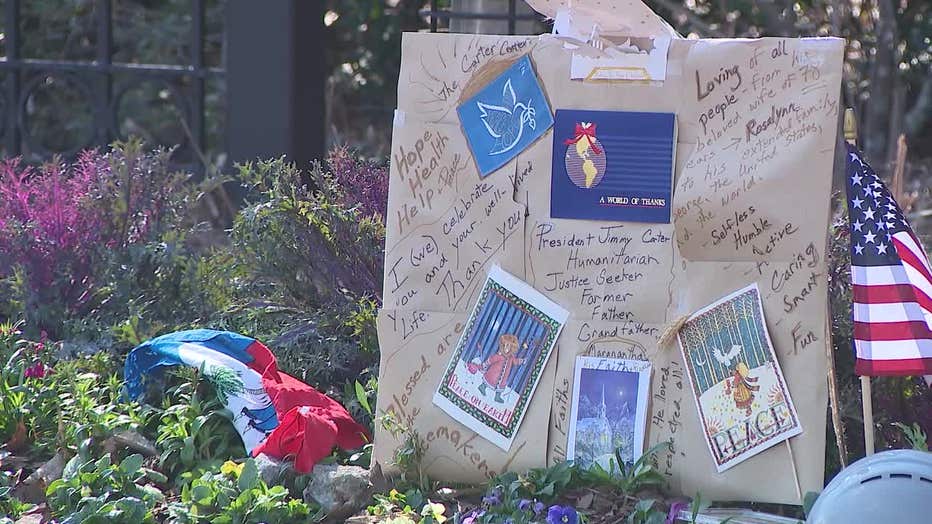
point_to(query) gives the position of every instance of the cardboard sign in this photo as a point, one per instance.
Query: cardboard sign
(622, 282)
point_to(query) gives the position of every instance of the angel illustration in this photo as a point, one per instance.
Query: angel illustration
(506, 122)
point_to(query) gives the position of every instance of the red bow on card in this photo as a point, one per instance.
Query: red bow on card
(585, 130)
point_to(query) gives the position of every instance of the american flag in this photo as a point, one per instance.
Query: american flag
(891, 280)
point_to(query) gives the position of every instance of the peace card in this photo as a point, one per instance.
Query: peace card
(506, 116)
(609, 412)
(744, 404)
(613, 165)
(499, 358)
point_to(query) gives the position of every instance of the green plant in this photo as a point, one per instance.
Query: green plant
(236, 495)
(628, 478)
(645, 513)
(89, 403)
(92, 492)
(194, 428)
(10, 506)
(305, 272)
(69, 404)
(914, 435)
(409, 456)
(395, 504)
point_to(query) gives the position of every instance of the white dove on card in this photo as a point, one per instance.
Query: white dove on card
(726, 359)
(506, 122)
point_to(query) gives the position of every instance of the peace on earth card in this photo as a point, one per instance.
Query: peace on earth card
(500, 357)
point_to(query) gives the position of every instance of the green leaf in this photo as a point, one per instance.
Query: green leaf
(362, 397)
(644, 506)
(72, 467)
(155, 476)
(249, 477)
(187, 451)
(131, 464)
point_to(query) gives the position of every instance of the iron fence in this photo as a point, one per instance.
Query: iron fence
(101, 85)
(483, 16)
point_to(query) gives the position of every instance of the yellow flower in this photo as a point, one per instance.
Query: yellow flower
(231, 468)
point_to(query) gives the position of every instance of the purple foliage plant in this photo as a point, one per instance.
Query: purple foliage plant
(365, 183)
(59, 221)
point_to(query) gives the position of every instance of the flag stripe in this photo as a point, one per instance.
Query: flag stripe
(910, 241)
(891, 312)
(900, 367)
(892, 294)
(907, 330)
(886, 275)
(894, 349)
(912, 262)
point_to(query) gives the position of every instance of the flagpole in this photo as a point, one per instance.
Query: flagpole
(851, 136)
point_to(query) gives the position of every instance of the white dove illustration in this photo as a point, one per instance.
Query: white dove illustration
(725, 359)
(506, 122)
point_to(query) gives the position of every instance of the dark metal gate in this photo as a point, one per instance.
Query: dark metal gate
(93, 84)
(270, 74)
(508, 13)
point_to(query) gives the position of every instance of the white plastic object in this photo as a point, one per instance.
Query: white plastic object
(889, 487)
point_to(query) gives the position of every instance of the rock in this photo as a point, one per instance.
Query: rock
(30, 518)
(36, 515)
(338, 489)
(71, 349)
(274, 471)
(131, 440)
(33, 488)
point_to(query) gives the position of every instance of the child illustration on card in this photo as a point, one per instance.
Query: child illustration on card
(742, 386)
(497, 369)
(500, 357)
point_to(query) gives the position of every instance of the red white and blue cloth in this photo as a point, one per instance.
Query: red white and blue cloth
(274, 413)
(891, 280)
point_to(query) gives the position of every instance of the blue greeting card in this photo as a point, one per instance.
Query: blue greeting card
(505, 117)
(613, 165)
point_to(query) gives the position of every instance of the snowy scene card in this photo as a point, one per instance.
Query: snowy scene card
(499, 358)
(743, 401)
(506, 116)
(609, 412)
(613, 165)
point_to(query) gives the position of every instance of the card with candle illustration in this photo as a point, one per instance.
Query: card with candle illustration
(612, 165)
(609, 416)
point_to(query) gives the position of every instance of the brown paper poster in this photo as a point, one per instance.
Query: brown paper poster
(757, 125)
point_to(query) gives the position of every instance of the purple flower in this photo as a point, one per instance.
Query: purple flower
(473, 516)
(675, 510)
(37, 370)
(524, 504)
(562, 515)
(538, 508)
(494, 498)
